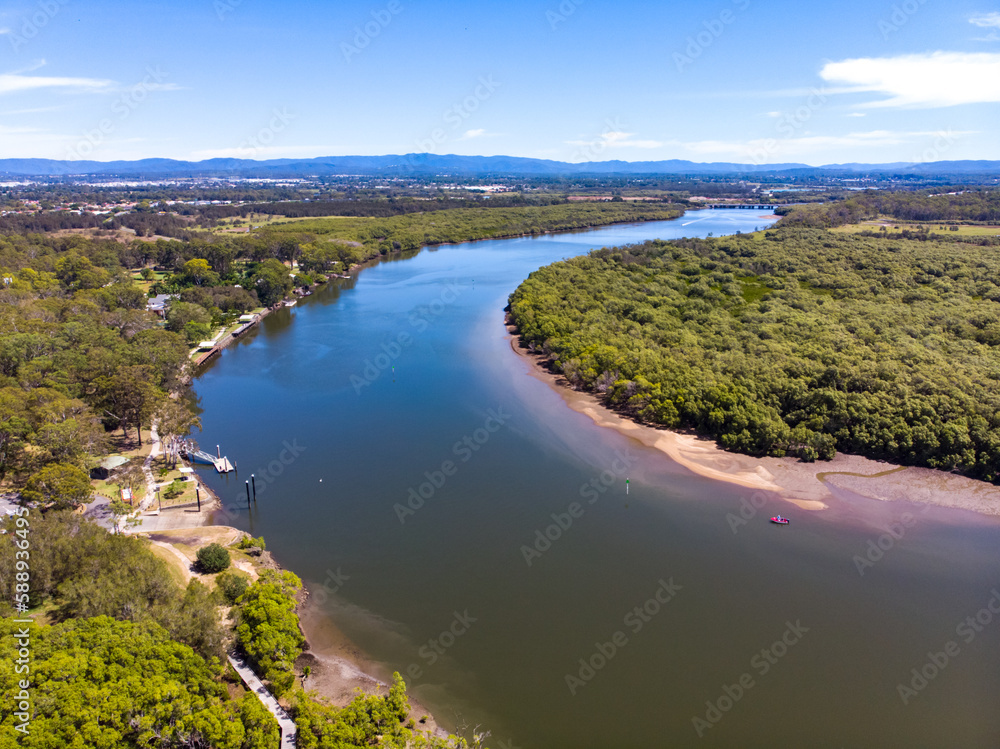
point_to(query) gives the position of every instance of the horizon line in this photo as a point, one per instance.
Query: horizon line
(482, 156)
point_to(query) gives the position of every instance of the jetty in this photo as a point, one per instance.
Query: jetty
(222, 465)
(220, 462)
(208, 349)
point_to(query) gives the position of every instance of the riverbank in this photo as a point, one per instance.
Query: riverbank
(808, 486)
(337, 668)
(200, 360)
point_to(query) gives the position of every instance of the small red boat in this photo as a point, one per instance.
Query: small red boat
(779, 520)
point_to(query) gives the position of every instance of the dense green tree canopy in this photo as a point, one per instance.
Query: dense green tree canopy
(355, 240)
(58, 485)
(797, 342)
(105, 684)
(80, 570)
(269, 628)
(271, 282)
(982, 205)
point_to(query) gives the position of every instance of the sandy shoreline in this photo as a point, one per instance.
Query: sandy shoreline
(805, 485)
(339, 669)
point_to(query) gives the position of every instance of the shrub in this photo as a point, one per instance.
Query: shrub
(232, 584)
(213, 558)
(248, 542)
(175, 489)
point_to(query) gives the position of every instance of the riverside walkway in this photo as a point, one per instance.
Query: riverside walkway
(254, 684)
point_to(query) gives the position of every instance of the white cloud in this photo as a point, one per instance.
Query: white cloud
(30, 67)
(938, 79)
(857, 114)
(986, 20)
(32, 110)
(15, 82)
(470, 134)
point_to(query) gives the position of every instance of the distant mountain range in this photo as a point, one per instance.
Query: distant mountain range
(460, 166)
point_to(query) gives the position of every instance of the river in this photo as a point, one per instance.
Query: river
(479, 536)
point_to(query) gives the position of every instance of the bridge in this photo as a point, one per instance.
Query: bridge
(755, 207)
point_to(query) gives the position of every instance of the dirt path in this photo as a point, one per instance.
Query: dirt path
(154, 450)
(183, 563)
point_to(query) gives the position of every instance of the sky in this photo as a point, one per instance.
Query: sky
(750, 81)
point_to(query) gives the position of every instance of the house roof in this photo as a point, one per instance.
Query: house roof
(160, 301)
(113, 461)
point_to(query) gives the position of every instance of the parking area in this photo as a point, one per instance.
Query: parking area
(7, 504)
(99, 511)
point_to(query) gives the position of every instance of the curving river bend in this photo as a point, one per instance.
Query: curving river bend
(400, 446)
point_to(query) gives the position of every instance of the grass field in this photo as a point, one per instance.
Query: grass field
(934, 227)
(267, 219)
(146, 285)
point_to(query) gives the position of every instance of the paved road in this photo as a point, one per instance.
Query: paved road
(169, 520)
(254, 684)
(99, 511)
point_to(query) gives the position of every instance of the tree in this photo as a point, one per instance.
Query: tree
(165, 353)
(77, 272)
(127, 397)
(85, 571)
(220, 257)
(66, 429)
(318, 257)
(109, 684)
(286, 249)
(213, 558)
(174, 420)
(15, 429)
(124, 295)
(271, 282)
(60, 484)
(800, 343)
(198, 272)
(269, 628)
(195, 620)
(119, 510)
(182, 313)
